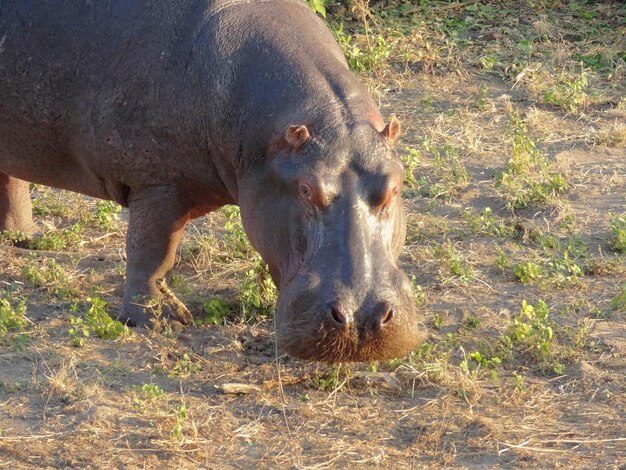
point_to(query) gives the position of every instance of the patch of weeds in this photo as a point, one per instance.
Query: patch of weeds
(502, 260)
(481, 101)
(426, 101)
(432, 358)
(149, 393)
(215, 311)
(528, 178)
(528, 272)
(568, 94)
(12, 314)
(318, 6)
(449, 173)
(475, 362)
(418, 292)
(471, 322)
(488, 61)
(235, 240)
(181, 417)
(451, 260)
(618, 303)
(257, 292)
(50, 276)
(618, 229)
(58, 239)
(328, 381)
(49, 204)
(532, 332)
(568, 261)
(95, 321)
(411, 162)
(361, 60)
(20, 342)
(437, 321)
(582, 333)
(486, 223)
(105, 215)
(15, 387)
(184, 367)
(13, 237)
(518, 381)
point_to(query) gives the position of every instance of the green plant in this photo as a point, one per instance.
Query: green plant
(181, 417)
(527, 272)
(472, 364)
(184, 367)
(411, 162)
(531, 330)
(236, 241)
(48, 203)
(50, 276)
(488, 61)
(105, 214)
(58, 239)
(449, 172)
(359, 60)
(13, 236)
(569, 94)
(12, 313)
(328, 381)
(257, 292)
(97, 321)
(481, 102)
(151, 391)
(528, 178)
(418, 292)
(437, 321)
(215, 312)
(486, 223)
(318, 6)
(471, 322)
(618, 303)
(618, 228)
(451, 259)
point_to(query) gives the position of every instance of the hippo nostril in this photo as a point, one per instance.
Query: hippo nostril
(339, 317)
(387, 316)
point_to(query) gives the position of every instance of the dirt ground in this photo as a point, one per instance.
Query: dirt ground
(520, 279)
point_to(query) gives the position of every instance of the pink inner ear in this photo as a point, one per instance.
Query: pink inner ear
(391, 132)
(296, 136)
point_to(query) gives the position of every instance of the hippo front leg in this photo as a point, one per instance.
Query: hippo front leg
(157, 217)
(15, 206)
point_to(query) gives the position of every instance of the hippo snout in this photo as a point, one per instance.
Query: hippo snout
(345, 319)
(348, 325)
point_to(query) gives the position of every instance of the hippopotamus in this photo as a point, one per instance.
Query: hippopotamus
(174, 109)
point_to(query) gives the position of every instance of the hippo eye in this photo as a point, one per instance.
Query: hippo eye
(305, 190)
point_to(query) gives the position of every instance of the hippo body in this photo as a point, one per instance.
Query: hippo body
(174, 109)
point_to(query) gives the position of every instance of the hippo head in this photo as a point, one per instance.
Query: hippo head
(324, 210)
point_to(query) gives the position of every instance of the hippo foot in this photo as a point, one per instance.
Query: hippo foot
(156, 313)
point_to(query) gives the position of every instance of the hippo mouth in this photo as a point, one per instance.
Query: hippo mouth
(332, 345)
(312, 330)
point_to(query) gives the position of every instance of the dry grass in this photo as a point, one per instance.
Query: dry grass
(455, 76)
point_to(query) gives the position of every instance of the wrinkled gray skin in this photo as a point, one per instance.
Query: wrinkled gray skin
(175, 108)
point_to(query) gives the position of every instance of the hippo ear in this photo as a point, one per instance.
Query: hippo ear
(391, 132)
(297, 136)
